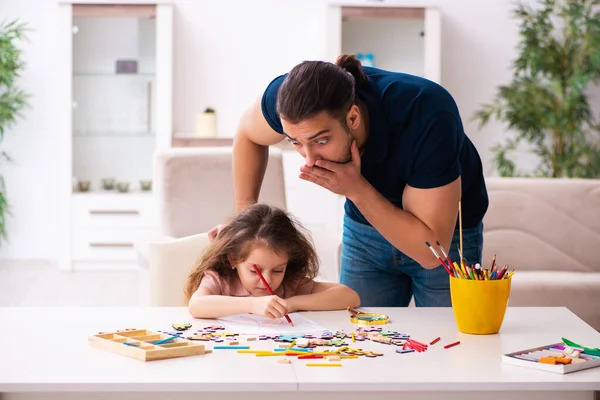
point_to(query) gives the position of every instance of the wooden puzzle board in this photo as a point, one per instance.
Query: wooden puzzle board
(142, 344)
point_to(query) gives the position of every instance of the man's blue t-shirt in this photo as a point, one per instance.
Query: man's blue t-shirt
(415, 138)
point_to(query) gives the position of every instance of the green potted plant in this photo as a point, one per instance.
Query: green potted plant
(12, 98)
(546, 103)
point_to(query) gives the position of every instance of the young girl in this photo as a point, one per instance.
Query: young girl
(224, 282)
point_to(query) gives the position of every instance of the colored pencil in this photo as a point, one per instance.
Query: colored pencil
(262, 278)
(165, 340)
(451, 345)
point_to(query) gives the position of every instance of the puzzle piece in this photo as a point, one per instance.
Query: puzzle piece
(370, 329)
(182, 327)
(350, 351)
(215, 327)
(382, 339)
(287, 338)
(372, 354)
(172, 333)
(201, 337)
(401, 336)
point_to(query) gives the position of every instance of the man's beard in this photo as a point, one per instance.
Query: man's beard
(348, 156)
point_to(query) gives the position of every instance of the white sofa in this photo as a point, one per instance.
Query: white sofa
(548, 230)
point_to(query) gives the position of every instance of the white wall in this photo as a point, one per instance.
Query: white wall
(31, 180)
(225, 54)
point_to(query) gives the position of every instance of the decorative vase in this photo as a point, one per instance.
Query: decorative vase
(146, 186)
(206, 123)
(123, 187)
(108, 183)
(83, 186)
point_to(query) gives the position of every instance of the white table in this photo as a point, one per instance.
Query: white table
(44, 351)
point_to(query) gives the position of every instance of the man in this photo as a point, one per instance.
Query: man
(394, 145)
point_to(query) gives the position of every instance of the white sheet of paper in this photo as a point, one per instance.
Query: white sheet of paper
(257, 325)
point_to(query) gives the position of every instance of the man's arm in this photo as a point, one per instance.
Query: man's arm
(428, 215)
(250, 155)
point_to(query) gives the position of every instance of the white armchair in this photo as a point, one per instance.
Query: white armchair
(170, 263)
(194, 188)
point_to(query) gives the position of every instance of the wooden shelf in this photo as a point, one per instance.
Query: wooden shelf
(114, 10)
(353, 13)
(217, 142)
(202, 142)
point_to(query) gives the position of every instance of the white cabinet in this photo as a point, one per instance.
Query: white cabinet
(114, 211)
(105, 227)
(117, 63)
(399, 38)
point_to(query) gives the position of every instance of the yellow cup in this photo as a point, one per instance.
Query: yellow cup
(479, 306)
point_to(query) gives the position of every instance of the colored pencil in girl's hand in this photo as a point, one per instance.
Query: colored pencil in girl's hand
(262, 278)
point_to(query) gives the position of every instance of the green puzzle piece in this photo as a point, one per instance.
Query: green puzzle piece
(586, 350)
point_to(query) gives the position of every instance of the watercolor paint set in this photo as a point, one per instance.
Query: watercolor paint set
(558, 358)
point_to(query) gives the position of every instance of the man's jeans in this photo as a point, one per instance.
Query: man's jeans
(385, 277)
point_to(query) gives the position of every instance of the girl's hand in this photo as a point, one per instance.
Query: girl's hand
(214, 232)
(269, 306)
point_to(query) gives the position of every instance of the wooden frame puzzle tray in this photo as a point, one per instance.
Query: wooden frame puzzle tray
(532, 358)
(146, 345)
